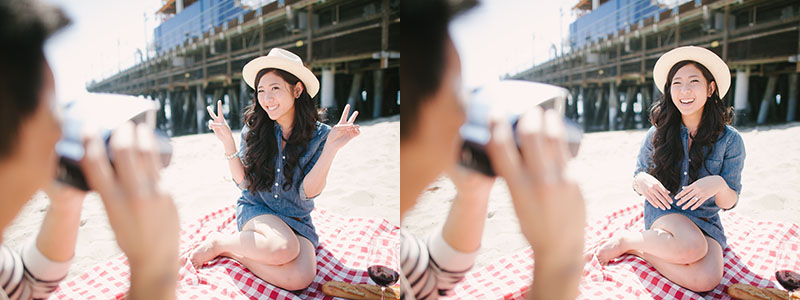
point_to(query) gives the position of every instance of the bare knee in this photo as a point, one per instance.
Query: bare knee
(705, 281)
(690, 248)
(300, 278)
(285, 251)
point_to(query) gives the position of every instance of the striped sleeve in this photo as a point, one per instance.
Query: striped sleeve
(432, 268)
(29, 274)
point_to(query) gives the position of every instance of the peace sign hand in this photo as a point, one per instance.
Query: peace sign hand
(344, 131)
(220, 126)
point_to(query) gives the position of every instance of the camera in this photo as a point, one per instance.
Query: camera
(104, 113)
(511, 98)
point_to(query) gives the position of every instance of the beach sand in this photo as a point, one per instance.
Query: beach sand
(604, 169)
(364, 181)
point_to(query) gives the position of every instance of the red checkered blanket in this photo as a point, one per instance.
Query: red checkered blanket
(756, 249)
(341, 255)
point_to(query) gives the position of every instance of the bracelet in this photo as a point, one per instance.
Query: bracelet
(232, 156)
(634, 185)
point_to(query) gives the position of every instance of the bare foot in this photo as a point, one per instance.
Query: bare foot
(613, 247)
(207, 250)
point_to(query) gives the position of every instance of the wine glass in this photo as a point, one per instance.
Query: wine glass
(383, 265)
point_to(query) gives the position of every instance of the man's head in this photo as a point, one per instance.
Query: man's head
(24, 27)
(430, 79)
(29, 128)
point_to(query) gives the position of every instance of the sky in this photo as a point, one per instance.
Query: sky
(500, 37)
(496, 38)
(103, 38)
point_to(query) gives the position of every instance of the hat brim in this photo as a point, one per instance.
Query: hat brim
(712, 62)
(305, 75)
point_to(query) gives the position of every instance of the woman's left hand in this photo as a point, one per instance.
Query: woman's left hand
(344, 131)
(695, 194)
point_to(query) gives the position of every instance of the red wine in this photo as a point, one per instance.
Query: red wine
(788, 279)
(383, 275)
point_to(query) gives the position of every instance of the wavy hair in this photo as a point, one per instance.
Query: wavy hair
(667, 144)
(262, 148)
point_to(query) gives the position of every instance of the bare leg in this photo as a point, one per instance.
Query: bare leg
(701, 276)
(265, 239)
(295, 275)
(673, 238)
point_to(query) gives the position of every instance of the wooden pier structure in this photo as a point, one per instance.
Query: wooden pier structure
(610, 76)
(351, 45)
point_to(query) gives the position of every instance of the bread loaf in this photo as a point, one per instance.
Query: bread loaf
(358, 291)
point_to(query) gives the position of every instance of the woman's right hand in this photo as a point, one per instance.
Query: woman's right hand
(550, 207)
(653, 190)
(142, 214)
(220, 126)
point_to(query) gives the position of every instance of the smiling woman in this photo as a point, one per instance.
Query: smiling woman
(284, 159)
(689, 167)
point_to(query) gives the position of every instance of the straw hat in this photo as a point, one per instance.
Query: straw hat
(712, 62)
(281, 59)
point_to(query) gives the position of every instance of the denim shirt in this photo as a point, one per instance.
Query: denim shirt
(725, 160)
(292, 202)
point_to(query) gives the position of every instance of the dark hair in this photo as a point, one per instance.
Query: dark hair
(423, 40)
(262, 148)
(667, 144)
(24, 27)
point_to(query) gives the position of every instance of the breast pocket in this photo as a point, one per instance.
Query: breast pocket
(712, 167)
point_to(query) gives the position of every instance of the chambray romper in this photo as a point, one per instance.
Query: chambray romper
(726, 160)
(292, 206)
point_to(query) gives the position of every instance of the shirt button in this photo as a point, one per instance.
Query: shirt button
(279, 170)
(283, 157)
(684, 173)
(276, 184)
(276, 196)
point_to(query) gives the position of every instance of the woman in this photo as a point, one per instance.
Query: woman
(281, 166)
(689, 167)
(143, 217)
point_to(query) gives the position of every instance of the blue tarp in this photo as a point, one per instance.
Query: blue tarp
(610, 17)
(194, 20)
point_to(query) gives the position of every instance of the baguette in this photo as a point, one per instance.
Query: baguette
(778, 294)
(747, 292)
(358, 291)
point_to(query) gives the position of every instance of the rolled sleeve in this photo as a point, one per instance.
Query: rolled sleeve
(733, 164)
(645, 158)
(322, 138)
(242, 151)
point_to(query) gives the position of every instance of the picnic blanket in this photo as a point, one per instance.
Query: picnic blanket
(341, 255)
(756, 249)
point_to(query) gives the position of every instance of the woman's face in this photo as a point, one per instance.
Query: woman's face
(690, 90)
(276, 96)
(32, 162)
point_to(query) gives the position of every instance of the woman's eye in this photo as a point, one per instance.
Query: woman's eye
(695, 81)
(274, 88)
(260, 91)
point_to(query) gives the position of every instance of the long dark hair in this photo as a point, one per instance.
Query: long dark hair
(667, 144)
(262, 148)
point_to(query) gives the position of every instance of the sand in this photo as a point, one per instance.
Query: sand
(364, 181)
(604, 169)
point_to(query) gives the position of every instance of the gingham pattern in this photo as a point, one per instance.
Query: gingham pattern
(756, 249)
(341, 255)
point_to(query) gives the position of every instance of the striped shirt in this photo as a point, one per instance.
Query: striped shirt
(431, 268)
(29, 274)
